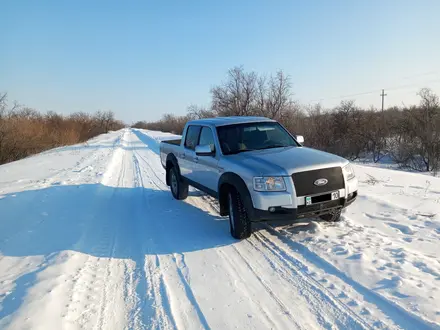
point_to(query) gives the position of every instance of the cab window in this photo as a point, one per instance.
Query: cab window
(192, 136)
(206, 137)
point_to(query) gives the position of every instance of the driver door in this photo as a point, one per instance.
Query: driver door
(207, 168)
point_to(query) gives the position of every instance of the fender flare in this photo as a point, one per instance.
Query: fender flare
(171, 162)
(234, 180)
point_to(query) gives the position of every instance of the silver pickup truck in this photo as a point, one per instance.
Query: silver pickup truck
(258, 171)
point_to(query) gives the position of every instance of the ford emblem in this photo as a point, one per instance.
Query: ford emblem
(320, 182)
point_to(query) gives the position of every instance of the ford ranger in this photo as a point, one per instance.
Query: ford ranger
(258, 171)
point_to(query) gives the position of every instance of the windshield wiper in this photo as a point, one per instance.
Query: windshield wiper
(239, 151)
(275, 146)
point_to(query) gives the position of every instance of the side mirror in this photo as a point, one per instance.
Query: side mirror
(300, 139)
(204, 150)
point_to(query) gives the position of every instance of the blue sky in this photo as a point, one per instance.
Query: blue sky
(145, 58)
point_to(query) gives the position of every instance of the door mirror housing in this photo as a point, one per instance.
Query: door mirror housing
(299, 138)
(204, 150)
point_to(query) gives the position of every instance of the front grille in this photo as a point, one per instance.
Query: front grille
(305, 181)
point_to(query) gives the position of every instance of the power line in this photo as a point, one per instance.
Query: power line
(421, 75)
(344, 96)
(373, 91)
(413, 85)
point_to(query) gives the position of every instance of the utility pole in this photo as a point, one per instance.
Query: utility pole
(383, 97)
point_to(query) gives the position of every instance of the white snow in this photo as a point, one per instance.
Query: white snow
(90, 237)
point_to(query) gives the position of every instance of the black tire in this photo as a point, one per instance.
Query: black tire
(334, 216)
(239, 221)
(179, 189)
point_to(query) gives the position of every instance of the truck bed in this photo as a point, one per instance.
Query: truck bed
(175, 142)
(168, 146)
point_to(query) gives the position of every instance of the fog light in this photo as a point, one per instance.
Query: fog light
(271, 209)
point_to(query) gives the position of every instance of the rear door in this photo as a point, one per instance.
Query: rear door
(207, 168)
(187, 157)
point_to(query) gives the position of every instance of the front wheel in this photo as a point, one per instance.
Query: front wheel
(334, 216)
(179, 189)
(238, 217)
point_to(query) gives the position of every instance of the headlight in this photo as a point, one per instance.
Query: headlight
(348, 172)
(271, 183)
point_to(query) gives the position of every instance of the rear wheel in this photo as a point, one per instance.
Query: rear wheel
(179, 189)
(238, 217)
(334, 216)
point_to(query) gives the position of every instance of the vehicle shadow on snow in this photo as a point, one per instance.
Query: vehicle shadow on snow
(84, 218)
(100, 221)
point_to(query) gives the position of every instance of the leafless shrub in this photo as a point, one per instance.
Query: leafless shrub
(417, 138)
(25, 131)
(140, 124)
(168, 123)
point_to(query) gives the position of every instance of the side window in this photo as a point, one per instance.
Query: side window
(192, 136)
(206, 137)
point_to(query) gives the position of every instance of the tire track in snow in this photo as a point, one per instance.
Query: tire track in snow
(317, 296)
(105, 268)
(401, 317)
(118, 158)
(177, 258)
(161, 185)
(182, 270)
(269, 320)
(167, 279)
(308, 284)
(88, 277)
(159, 292)
(141, 291)
(150, 288)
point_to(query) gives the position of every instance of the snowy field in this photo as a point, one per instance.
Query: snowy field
(90, 238)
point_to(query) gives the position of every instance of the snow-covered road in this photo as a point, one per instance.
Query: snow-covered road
(90, 238)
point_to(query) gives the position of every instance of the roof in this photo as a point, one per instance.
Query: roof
(221, 121)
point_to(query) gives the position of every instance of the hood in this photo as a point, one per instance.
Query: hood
(285, 161)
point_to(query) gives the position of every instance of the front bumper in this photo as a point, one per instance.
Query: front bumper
(302, 211)
(287, 205)
(289, 198)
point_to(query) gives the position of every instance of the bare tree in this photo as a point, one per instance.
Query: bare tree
(197, 112)
(260, 99)
(278, 96)
(236, 97)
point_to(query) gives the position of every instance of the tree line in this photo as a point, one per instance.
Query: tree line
(408, 135)
(25, 131)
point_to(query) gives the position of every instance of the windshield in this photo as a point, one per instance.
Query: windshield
(253, 136)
